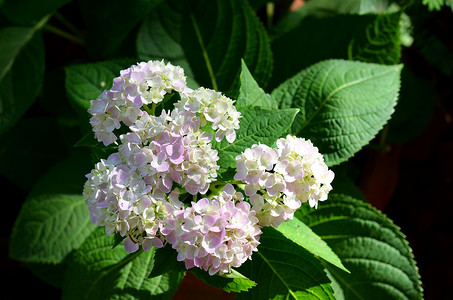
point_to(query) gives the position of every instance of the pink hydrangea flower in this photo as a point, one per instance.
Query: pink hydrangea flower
(214, 234)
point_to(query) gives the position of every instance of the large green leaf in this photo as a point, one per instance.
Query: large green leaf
(257, 125)
(109, 22)
(369, 245)
(343, 104)
(301, 234)
(209, 36)
(284, 270)
(100, 271)
(367, 38)
(54, 220)
(22, 64)
(49, 227)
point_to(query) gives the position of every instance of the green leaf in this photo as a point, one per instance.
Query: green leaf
(343, 104)
(209, 36)
(159, 37)
(49, 227)
(250, 94)
(257, 125)
(96, 271)
(165, 261)
(284, 270)
(22, 64)
(301, 234)
(369, 245)
(86, 82)
(232, 282)
(368, 38)
(109, 22)
(381, 43)
(30, 11)
(54, 220)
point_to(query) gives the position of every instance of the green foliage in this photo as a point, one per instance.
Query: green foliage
(209, 38)
(301, 234)
(342, 104)
(257, 124)
(232, 282)
(85, 82)
(250, 93)
(373, 38)
(22, 62)
(96, 271)
(273, 268)
(53, 220)
(437, 4)
(373, 249)
(108, 28)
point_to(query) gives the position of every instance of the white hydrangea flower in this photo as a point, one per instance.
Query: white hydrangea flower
(120, 199)
(178, 151)
(215, 108)
(279, 180)
(141, 84)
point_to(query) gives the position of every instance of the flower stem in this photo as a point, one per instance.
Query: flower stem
(64, 34)
(68, 25)
(205, 53)
(151, 111)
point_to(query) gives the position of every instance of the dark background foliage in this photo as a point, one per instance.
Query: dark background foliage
(409, 180)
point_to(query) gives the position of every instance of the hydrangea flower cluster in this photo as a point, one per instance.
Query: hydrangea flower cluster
(214, 234)
(279, 180)
(138, 85)
(215, 108)
(119, 198)
(162, 158)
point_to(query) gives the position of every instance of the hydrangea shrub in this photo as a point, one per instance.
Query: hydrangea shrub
(211, 141)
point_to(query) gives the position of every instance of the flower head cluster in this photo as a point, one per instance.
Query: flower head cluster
(136, 191)
(119, 198)
(216, 234)
(141, 84)
(172, 149)
(279, 180)
(215, 108)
